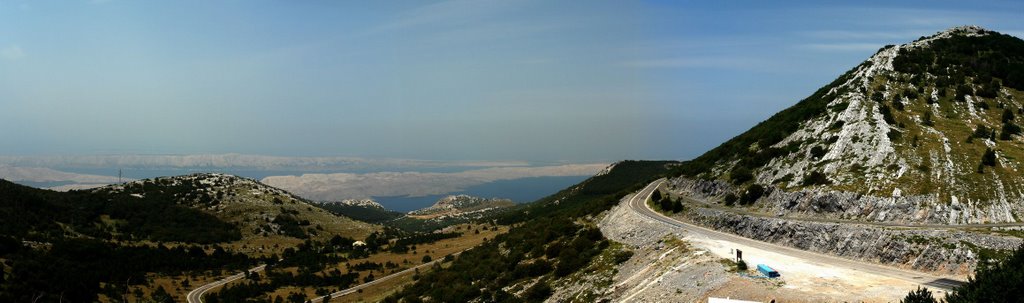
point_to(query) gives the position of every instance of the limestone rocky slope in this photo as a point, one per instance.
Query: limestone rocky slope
(922, 132)
(940, 251)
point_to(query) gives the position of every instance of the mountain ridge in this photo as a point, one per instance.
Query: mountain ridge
(884, 143)
(258, 209)
(460, 205)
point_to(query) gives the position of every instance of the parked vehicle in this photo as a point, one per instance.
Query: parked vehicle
(767, 271)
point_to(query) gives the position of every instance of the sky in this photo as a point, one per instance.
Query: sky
(556, 81)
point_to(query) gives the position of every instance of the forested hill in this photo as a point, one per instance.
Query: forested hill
(64, 245)
(42, 215)
(258, 210)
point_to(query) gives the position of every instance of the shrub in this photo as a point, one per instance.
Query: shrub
(1009, 129)
(666, 204)
(538, 292)
(753, 192)
(740, 175)
(981, 132)
(741, 265)
(989, 158)
(817, 151)
(623, 256)
(1008, 115)
(656, 196)
(730, 199)
(887, 114)
(816, 178)
(927, 120)
(878, 96)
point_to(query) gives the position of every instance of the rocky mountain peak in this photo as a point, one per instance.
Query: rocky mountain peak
(933, 121)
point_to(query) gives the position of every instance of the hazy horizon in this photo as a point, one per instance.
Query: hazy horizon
(572, 82)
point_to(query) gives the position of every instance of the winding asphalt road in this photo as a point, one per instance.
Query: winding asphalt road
(638, 203)
(196, 295)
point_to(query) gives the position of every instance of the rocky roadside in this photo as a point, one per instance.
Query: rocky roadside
(945, 252)
(662, 267)
(830, 204)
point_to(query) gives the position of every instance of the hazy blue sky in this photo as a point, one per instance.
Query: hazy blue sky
(524, 80)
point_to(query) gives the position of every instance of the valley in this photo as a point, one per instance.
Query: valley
(901, 180)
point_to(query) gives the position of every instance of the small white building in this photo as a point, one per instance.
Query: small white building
(358, 244)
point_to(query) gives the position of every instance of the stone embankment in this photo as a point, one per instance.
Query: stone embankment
(941, 251)
(830, 204)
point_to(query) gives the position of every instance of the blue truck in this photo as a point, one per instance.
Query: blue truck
(767, 271)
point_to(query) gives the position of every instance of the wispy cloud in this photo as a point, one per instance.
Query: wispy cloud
(842, 47)
(452, 12)
(13, 52)
(863, 34)
(742, 63)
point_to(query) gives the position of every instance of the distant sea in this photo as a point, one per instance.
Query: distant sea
(518, 190)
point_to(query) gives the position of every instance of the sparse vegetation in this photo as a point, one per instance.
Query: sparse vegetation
(816, 178)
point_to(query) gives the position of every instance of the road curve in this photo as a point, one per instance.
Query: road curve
(196, 295)
(356, 288)
(638, 203)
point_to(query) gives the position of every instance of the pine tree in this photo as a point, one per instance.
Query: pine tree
(921, 295)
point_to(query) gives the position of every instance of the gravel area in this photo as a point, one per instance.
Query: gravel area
(672, 266)
(663, 268)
